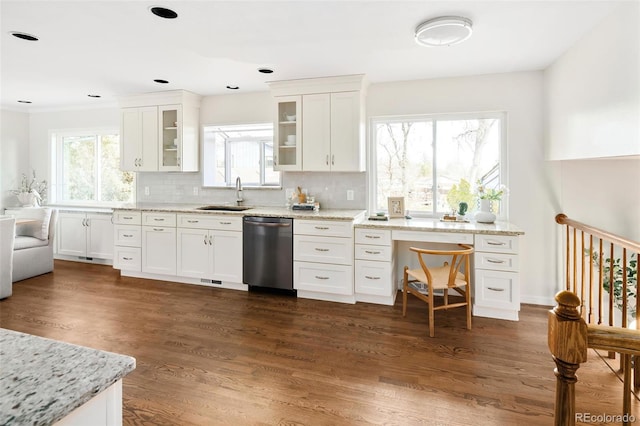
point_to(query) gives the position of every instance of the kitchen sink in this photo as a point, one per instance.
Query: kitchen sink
(224, 207)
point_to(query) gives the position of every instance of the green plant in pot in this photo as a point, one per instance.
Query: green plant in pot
(615, 288)
(462, 208)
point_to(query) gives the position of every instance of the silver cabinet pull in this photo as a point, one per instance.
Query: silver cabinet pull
(127, 235)
(321, 278)
(210, 240)
(495, 260)
(323, 228)
(192, 221)
(372, 236)
(158, 219)
(158, 229)
(327, 160)
(333, 158)
(495, 243)
(495, 289)
(321, 249)
(225, 223)
(205, 240)
(127, 258)
(371, 252)
(127, 217)
(275, 160)
(371, 278)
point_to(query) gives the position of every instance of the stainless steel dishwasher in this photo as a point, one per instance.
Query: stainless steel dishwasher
(267, 248)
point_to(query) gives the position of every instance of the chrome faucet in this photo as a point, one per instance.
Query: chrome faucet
(239, 198)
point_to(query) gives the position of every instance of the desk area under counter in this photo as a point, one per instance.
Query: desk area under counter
(381, 250)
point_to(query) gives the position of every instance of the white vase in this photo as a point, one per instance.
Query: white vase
(27, 199)
(484, 215)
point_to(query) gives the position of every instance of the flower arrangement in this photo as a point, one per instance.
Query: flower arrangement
(32, 186)
(493, 194)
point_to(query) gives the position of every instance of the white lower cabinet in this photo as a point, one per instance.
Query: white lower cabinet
(84, 235)
(497, 280)
(323, 260)
(374, 266)
(127, 235)
(159, 243)
(214, 254)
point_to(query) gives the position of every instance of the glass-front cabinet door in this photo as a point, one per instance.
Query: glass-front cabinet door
(288, 134)
(170, 120)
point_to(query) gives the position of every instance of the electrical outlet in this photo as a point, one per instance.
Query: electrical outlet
(350, 195)
(146, 190)
(195, 190)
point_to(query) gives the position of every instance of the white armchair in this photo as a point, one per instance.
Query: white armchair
(7, 231)
(33, 244)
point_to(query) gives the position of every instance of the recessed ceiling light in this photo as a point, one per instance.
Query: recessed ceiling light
(233, 87)
(24, 36)
(163, 12)
(443, 31)
(94, 96)
(24, 102)
(161, 81)
(265, 70)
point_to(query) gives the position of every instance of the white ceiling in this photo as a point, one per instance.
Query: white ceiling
(116, 48)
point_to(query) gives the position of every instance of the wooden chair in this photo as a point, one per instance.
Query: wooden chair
(446, 277)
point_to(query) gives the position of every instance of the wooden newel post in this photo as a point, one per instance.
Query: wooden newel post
(568, 344)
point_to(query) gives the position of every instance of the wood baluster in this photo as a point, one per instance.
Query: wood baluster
(590, 313)
(582, 310)
(624, 287)
(567, 340)
(568, 249)
(575, 261)
(611, 355)
(600, 282)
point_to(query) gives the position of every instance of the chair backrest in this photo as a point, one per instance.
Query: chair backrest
(459, 259)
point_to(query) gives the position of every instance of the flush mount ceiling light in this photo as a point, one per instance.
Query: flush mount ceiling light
(443, 31)
(163, 12)
(265, 70)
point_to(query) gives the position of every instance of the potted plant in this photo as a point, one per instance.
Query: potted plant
(487, 196)
(31, 192)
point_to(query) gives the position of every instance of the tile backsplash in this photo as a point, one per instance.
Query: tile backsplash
(329, 189)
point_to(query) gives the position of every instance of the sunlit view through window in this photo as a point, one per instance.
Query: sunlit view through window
(242, 150)
(436, 163)
(87, 168)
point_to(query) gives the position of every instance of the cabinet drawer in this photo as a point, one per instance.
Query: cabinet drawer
(309, 248)
(323, 278)
(496, 261)
(127, 217)
(433, 237)
(201, 221)
(324, 228)
(127, 235)
(497, 289)
(379, 237)
(127, 258)
(497, 243)
(371, 252)
(159, 219)
(373, 278)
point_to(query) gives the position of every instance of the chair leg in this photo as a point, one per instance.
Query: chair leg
(405, 287)
(446, 296)
(467, 296)
(431, 316)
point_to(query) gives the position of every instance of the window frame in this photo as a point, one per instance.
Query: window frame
(56, 192)
(372, 189)
(229, 179)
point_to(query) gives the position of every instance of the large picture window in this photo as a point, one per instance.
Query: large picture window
(436, 162)
(87, 169)
(244, 151)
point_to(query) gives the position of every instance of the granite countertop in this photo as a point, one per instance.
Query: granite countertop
(436, 225)
(328, 214)
(43, 380)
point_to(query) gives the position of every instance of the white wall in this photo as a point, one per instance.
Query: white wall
(593, 92)
(14, 154)
(533, 182)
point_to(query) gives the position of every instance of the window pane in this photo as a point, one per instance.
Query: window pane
(405, 163)
(79, 168)
(271, 177)
(245, 162)
(115, 185)
(466, 150)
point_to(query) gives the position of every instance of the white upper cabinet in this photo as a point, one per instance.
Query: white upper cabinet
(159, 132)
(330, 132)
(287, 134)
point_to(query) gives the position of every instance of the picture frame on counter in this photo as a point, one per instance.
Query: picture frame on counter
(396, 206)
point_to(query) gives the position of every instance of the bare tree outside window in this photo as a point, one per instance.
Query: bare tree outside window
(434, 163)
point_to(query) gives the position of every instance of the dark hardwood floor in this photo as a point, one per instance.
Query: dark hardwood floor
(209, 356)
